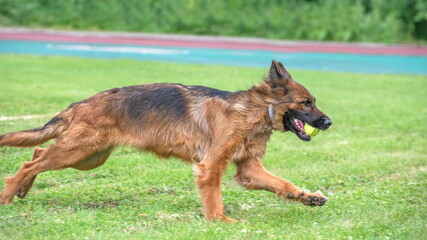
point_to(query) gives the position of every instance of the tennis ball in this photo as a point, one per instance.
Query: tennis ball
(311, 131)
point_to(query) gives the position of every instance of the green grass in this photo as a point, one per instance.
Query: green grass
(371, 164)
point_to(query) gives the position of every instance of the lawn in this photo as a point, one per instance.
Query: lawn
(371, 164)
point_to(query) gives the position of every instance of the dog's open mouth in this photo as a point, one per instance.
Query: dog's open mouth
(296, 126)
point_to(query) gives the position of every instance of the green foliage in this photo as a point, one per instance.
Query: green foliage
(391, 21)
(371, 164)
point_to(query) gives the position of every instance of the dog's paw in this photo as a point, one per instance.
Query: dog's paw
(21, 193)
(226, 219)
(223, 218)
(313, 199)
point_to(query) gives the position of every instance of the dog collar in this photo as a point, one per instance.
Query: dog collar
(271, 112)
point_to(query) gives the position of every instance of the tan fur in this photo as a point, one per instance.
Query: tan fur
(208, 131)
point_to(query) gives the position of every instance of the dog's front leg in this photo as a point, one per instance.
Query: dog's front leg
(252, 175)
(209, 175)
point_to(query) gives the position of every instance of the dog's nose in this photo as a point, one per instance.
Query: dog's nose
(327, 122)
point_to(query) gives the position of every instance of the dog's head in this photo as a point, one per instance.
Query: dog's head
(292, 104)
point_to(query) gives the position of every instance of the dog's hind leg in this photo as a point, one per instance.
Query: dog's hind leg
(89, 163)
(57, 156)
(252, 175)
(23, 190)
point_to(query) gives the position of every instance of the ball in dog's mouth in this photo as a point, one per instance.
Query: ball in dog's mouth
(310, 130)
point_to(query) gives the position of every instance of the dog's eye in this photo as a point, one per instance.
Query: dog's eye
(307, 102)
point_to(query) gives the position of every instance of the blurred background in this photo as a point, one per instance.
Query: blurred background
(367, 36)
(385, 21)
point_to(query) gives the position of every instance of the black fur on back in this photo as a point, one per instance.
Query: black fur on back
(167, 99)
(208, 92)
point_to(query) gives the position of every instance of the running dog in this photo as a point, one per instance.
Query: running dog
(208, 127)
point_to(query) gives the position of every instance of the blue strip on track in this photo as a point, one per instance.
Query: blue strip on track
(356, 63)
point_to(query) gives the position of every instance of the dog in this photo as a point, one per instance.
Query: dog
(208, 127)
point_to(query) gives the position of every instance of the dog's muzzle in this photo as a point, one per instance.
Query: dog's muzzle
(322, 123)
(294, 121)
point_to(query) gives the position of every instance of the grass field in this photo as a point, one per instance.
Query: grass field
(371, 164)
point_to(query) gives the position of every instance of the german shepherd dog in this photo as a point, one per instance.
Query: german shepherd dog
(208, 127)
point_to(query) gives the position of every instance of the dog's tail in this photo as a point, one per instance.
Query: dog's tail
(36, 136)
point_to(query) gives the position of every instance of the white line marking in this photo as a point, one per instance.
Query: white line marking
(138, 50)
(24, 117)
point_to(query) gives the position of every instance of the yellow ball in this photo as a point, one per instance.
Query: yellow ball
(311, 131)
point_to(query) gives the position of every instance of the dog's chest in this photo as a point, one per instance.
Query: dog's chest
(253, 146)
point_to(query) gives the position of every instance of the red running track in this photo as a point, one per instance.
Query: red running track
(207, 42)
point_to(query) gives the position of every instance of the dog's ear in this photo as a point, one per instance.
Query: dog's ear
(277, 76)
